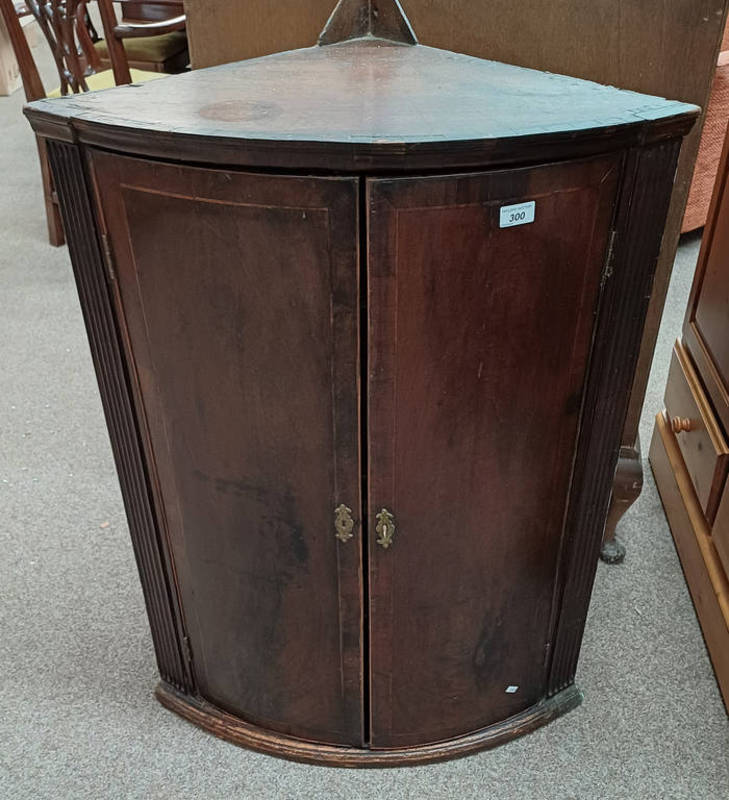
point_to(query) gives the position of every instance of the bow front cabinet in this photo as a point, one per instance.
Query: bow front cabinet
(364, 318)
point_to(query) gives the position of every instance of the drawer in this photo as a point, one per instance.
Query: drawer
(701, 441)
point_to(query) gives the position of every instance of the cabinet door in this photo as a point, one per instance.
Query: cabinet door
(706, 326)
(480, 334)
(238, 298)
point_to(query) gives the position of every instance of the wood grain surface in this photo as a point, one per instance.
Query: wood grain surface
(689, 448)
(364, 105)
(227, 727)
(702, 568)
(667, 49)
(248, 382)
(700, 440)
(495, 365)
(476, 472)
(114, 373)
(639, 225)
(720, 531)
(707, 316)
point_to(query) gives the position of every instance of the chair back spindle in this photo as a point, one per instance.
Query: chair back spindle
(63, 23)
(78, 55)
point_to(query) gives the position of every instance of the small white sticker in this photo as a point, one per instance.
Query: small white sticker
(519, 214)
(512, 689)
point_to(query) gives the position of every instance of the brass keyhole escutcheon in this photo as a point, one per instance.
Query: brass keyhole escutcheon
(343, 523)
(385, 528)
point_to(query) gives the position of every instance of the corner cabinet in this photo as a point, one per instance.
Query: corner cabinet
(365, 371)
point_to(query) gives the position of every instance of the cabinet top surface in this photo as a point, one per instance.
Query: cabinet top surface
(367, 101)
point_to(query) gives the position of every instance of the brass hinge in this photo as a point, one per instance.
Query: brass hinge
(187, 649)
(108, 257)
(547, 652)
(607, 270)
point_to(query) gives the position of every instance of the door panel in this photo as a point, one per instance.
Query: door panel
(707, 317)
(479, 344)
(710, 313)
(238, 295)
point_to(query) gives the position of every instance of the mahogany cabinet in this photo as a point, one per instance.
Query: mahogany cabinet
(365, 318)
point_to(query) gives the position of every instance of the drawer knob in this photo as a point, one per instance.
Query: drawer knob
(681, 424)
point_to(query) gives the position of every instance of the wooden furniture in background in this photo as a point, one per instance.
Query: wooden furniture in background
(65, 26)
(155, 11)
(220, 33)
(9, 71)
(74, 57)
(10, 79)
(712, 141)
(690, 448)
(159, 46)
(404, 292)
(667, 49)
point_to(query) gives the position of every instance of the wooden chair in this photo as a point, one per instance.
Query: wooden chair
(70, 36)
(154, 52)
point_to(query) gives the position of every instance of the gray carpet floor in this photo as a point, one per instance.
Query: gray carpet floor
(77, 671)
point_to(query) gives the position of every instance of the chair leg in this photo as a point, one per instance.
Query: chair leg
(56, 235)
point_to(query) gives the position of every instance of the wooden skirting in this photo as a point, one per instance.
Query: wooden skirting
(706, 579)
(232, 729)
